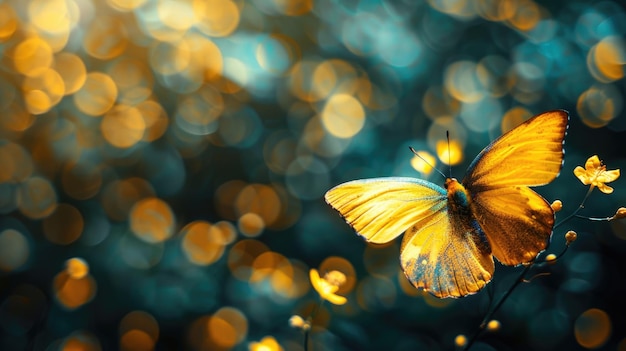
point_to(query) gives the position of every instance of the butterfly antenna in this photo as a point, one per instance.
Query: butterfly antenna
(428, 163)
(449, 163)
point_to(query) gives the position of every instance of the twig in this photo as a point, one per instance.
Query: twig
(490, 314)
(310, 321)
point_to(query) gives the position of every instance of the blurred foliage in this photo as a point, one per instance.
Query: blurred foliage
(163, 162)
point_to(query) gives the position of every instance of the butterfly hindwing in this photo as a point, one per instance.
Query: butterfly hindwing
(381, 209)
(517, 221)
(445, 254)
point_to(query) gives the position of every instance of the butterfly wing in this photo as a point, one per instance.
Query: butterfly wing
(380, 209)
(441, 252)
(517, 221)
(444, 254)
(530, 154)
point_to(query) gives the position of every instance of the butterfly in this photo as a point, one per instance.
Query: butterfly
(451, 234)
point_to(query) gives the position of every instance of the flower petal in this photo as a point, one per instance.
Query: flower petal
(582, 175)
(608, 176)
(316, 281)
(336, 299)
(605, 188)
(592, 163)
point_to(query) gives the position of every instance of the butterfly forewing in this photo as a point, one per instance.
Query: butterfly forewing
(517, 221)
(381, 209)
(531, 154)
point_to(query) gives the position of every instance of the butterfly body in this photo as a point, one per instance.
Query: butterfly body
(460, 210)
(451, 234)
(458, 198)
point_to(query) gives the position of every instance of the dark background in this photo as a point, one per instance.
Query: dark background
(241, 115)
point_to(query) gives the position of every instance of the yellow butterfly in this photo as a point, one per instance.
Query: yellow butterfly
(452, 234)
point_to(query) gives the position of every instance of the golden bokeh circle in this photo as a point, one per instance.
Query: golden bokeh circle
(36, 197)
(152, 220)
(64, 226)
(592, 328)
(97, 95)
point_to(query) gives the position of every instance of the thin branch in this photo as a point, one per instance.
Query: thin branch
(309, 319)
(490, 314)
(580, 207)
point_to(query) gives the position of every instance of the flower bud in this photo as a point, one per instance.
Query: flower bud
(460, 340)
(493, 325)
(570, 237)
(298, 322)
(551, 259)
(620, 213)
(77, 268)
(557, 205)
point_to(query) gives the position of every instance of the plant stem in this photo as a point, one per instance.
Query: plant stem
(490, 314)
(310, 320)
(596, 219)
(580, 207)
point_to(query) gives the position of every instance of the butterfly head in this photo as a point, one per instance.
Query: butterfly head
(451, 183)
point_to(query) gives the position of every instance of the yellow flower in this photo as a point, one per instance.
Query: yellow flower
(328, 286)
(299, 322)
(268, 343)
(595, 173)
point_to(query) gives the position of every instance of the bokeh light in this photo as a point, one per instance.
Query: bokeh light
(423, 162)
(607, 58)
(242, 255)
(514, 117)
(204, 243)
(163, 165)
(123, 126)
(138, 330)
(450, 152)
(223, 330)
(81, 180)
(119, 196)
(36, 197)
(268, 343)
(152, 220)
(72, 293)
(97, 95)
(64, 226)
(343, 116)
(14, 250)
(599, 105)
(80, 340)
(592, 328)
